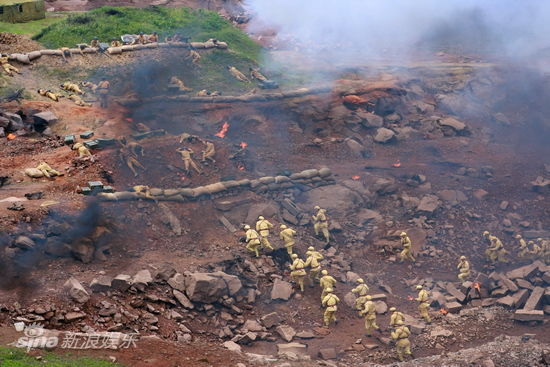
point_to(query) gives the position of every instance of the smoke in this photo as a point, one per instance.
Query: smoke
(361, 31)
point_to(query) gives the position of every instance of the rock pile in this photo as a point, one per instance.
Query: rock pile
(19, 124)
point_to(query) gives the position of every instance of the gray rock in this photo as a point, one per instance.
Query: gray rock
(122, 282)
(327, 353)
(352, 277)
(297, 348)
(72, 316)
(165, 272)
(428, 204)
(182, 299)
(383, 135)
(334, 198)
(233, 282)
(76, 291)
(232, 346)
(453, 123)
(355, 148)
(271, 319)
(349, 299)
(205, 287)
(24, 243)
(370, 119)
(101, 284)
(252, 325)
(281, 290)
(44, 118)
(142, 279)
(286, 332)
(381, 307)
(177, 282)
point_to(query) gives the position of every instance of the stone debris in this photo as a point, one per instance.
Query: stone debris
(76, 291)
(281, 290)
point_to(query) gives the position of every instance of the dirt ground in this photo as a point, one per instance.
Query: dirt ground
(280, 137)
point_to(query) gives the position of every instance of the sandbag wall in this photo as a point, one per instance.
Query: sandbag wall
(304, 180)
(28, 57)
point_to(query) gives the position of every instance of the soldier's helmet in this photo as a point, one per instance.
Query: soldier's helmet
(311, 248)
(294, 256)
(463, 258)
(518, 236)
(324, 272)
(316, 207)
(419, 287)
(360, 280)
(329, 290)
(392, 309)
(368, 298)
(400, 322)
(486, 233)
(246, 226)
(283, 226)
(403, 234)
(261, 218)
(95, 39)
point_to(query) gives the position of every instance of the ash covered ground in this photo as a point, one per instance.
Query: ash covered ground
(442, 147)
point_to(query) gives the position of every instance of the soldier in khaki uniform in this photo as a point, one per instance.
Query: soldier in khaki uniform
(298, 273)
(103, 89)
(47, 171)
(83, 152)
(51, 95)
(263, 226)
(175, 81)
(71, 87)
(395, 317)
(313, 262)
(402, 343)
(523, 249)
(287, 235)
(130, 159)
(237, 74)
(209, 152)
(188, 161)
(424, 304)
(370, 315)
(407, 245)
(252, 240)
(115, 43)
(320, 223)
(361, 291)
(195, 57)
(94, 43)
(78, 101)
(330, 302)
(495, 252)
(255, 74)
(327, 282)
(463, 269)
(8, 68)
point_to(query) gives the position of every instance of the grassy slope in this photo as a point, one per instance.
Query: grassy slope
(32, 27)
(111, 22)
(10, 357)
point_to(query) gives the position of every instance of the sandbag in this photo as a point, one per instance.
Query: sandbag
(47, 52)
(297, 176)
(125, 195)
(222, 45)
(22, 58)
(74, 51)
(325, 172)
(309, 173)
(157, 192)
(190, 193)
(171, 192)
(245, 182)
(266, 180)
(89, 50)
(107, 196)
(114, 50)
(230, 184)
(34, 55)
(255, 183)
(33, 172)
(280, 179)
(151, 45)
(138, 47)
(164, 44)
(128, 48)
(214, 188)
(197, 44)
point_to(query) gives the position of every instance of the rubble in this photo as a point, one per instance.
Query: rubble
(281, 290)
(76, 291)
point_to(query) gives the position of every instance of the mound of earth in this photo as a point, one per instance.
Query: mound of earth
(13, 43)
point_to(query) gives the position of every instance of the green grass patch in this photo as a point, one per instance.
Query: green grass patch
(33, 27)
(112, 22)
(10, 357)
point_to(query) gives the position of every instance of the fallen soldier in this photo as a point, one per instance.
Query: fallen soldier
(237, 74)
(78, 101)
(71, 87)
(49, 94)
(177, 85)
(8, 68)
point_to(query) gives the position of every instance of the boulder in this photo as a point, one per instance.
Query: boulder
(334, 198)
(165, 272)
(44, 118)
(233, 282)
(232, 346)
(142, 279)
(286, 332)
(381, 307)
(428, 204)
(101, 284)
(327, 353)
(452, 123)
(365, 216)
(252, 325)
(122, 282)
(205, 287)
(76, 291)
(24, 243)
(384, 135)
(281, 290)
(265, 209)
(369, 119)
(357, 149)
(349, 299)
(271, 319)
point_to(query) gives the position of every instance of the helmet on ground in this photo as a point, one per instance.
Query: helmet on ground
(392, 309)
(324, 272)
(261, 218)
(283, 226)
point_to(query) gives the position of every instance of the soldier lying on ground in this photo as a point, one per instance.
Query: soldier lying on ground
(71, 87)
(51, 95)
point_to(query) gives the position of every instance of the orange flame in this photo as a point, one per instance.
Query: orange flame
(477, 286)
(11, 136)
(223, 130)
(396, 164)
(243, 144)
(355, 178)
(240, 166)
(443, 311)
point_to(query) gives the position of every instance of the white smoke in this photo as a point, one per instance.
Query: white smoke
(363, 30)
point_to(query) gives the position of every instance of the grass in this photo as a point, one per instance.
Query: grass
(112, 22)
(33, 27)
(10, 357)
